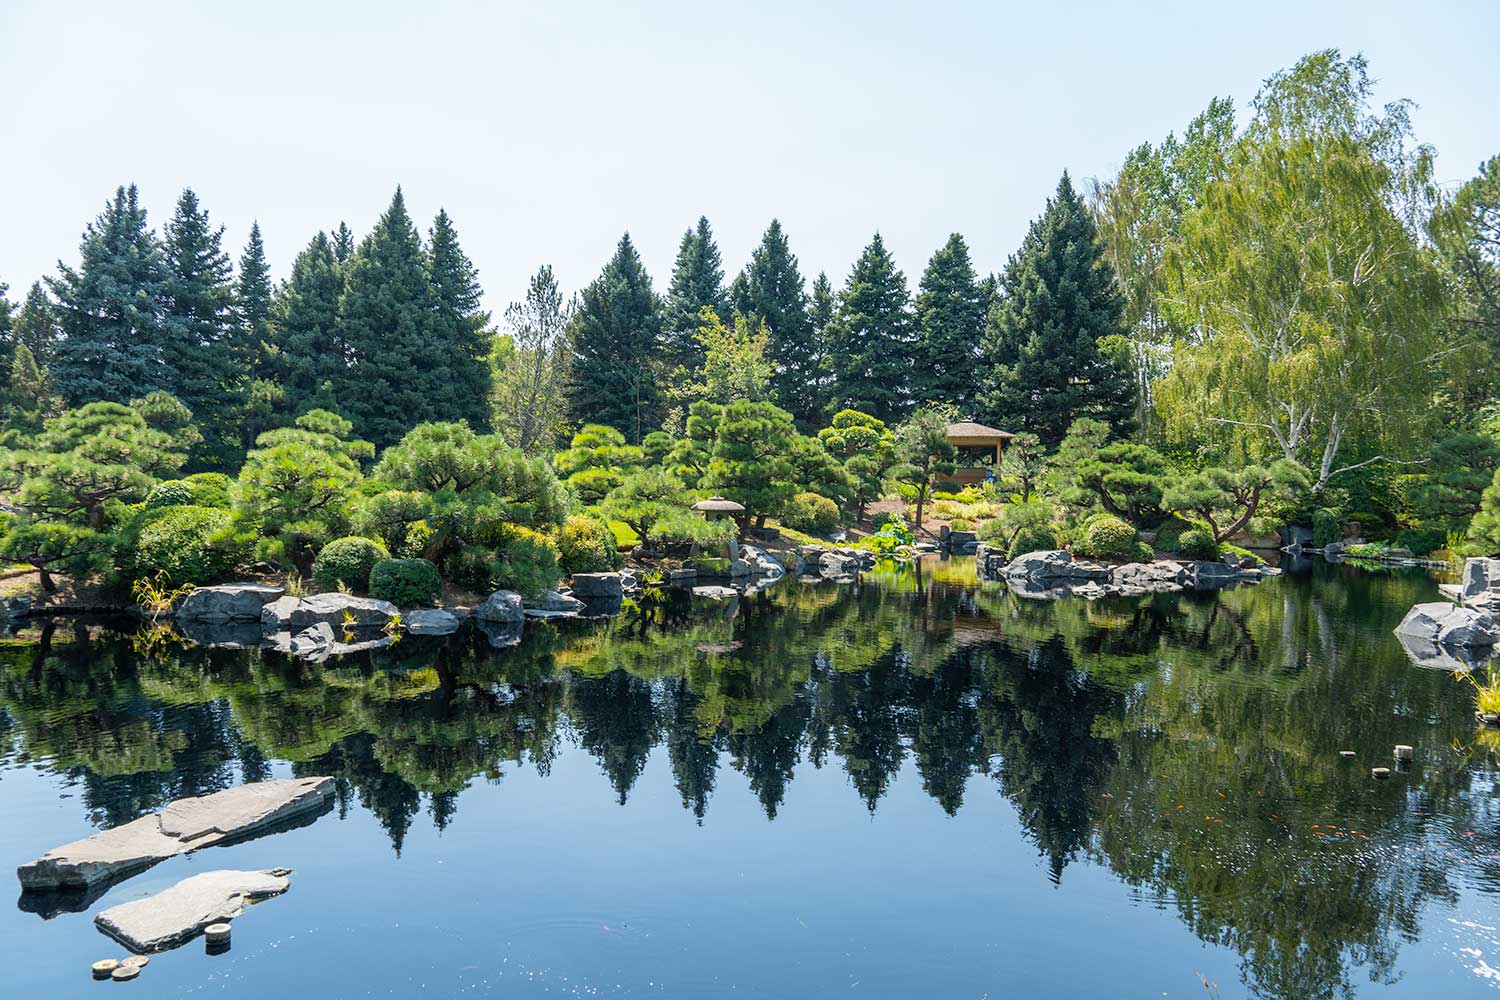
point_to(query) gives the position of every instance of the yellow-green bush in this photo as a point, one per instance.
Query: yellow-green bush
(587, 545)
(347, 562)
(809, 512)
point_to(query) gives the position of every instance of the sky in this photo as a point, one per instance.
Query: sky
(548, 129)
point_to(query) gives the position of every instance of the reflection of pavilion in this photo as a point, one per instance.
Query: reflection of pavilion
(980, 450)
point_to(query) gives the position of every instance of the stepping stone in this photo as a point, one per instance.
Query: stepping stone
(178, 914)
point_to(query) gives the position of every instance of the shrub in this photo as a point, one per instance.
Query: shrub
(1106, 537)
(172, 493)
(347, 562)
(961, 524)
(210, 489)
(684, 528)
(886, 517)
(1032, 538)
(1169, 535)
(809, 512)
(1370, 523)
(1196, 543)
(189, 544)
(406, 583)
(1421, 541)
(1327, 526)
(526, 561)
(1141, 552)
(586, 545)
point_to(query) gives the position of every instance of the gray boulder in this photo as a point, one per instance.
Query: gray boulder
(501, 635)
(1450, 625)
(229, 602)
(503, 606)
(553, 604)
(1481, 578)
(838, 565)
(430, 621)
(177, 915)
(762, 563)
(739, 568)
(185, 825)
(1054, 564)
(1148, 578)
(1450, 659)
(598, 585)
(339, 611)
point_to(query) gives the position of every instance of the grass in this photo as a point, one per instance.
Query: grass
(625, 536)
(1486, 692)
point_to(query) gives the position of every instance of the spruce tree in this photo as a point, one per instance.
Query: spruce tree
(697, 281)
(201, 368)
(1059, 302)
(950, 312)
(254, 303)
(110, 308)
(35, 326)
(395, 378)
(307, 354)
(869, 341)
(7, 344)
(823, 305)
(461, 328)
(774, 293)
(343, 245)
(617, 340)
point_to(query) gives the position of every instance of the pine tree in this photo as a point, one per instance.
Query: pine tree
(1059, 301)
(462, 325)
(773, 292)
(110, 308)
(697, 281)
(343, 245)
(395, 378)
(870, 339)
(308, 355)
(7, 343)
(254, 303)
(202, 369)
(824, 304)
(950, 313)
(35, 326)
(617, 339)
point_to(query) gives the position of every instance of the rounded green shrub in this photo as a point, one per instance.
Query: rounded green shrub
(527, 561)
(586, 545)
(172, 493)
(1195, 543)
(809, 512)
(1032, 538)
(406, 583)
(886, 517)
(210, 489)
(189, 544)
(346, 562)
(1141, 552)
(1106, 537)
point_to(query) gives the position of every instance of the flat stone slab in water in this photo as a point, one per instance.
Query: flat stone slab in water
(178, 914)
(183, 826)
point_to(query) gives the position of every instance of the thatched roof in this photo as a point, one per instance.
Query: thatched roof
(718, 505)
(969, 431)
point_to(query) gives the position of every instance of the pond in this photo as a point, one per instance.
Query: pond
(913, 786)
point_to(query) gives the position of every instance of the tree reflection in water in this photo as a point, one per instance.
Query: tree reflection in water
(1188, 743)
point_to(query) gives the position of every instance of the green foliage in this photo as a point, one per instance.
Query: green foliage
(530, 365)
(1023, 465)
(891, 536)
(406, 583)
(682, 529)
(869, 341)
(617, 336)
(644, 499)
(1034, 538)
(697, 284)
(527, 561)
(1106, 537)
(1197, 543)
(732, 362)
(950, 312)
(1328, 526)
(398, 518)
(173, 493)
(306, 352)
(771, 293)
(586, 545)
(751, 460)
(1225, 500)
(596, 462)
(1458, 471)
(809, 512)
(923, 452)
(1047, 335)
(347, 562)
(1021, 528)
(210, 489)
(187, 545)
(1127, 480)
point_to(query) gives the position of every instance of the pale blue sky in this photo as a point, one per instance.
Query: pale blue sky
(546, 129)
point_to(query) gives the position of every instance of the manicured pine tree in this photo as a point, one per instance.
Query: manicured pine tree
(462, 325)
(35, 326)
(697, 281)
(395, 378)
(617, 339)
(950, 311)
(869, 342)
(1043, 338)
(201, 367)
(253, 304)
(110, 308)
(307, 354)
(774, 293)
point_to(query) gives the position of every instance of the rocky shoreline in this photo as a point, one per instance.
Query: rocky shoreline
(1051, 574)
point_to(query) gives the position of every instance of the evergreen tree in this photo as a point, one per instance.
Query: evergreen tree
(774, 293)
(1044, 335)
(7, 343)
(870, 338)
(461, 327)
(823, 306)
(110, 308)
(617, 337)
(201, 369)
(950, 323)
(697, 281)
(395, 378)
(35, 326)
(343, 245)
(308, 355)
(254, 303)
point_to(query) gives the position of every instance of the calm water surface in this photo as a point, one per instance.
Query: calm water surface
(912, 787)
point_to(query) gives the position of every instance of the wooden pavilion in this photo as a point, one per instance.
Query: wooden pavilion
(980, 451)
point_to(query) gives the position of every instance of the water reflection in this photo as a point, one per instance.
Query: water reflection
(1187, 743)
